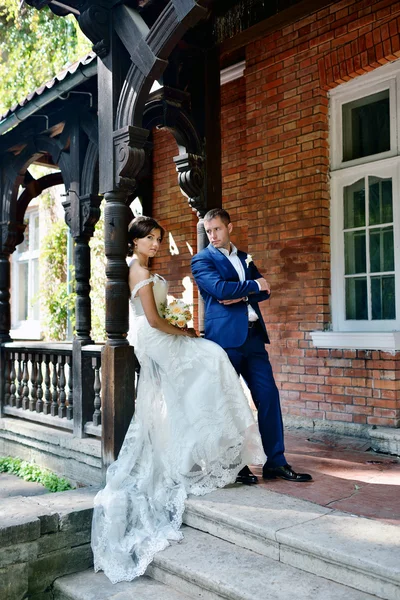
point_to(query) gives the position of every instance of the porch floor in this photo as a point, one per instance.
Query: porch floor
(347, 475)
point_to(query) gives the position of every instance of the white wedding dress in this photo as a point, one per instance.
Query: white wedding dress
(192, 431)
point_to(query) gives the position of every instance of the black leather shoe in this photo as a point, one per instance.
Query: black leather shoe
(246, 477)
(285, 472)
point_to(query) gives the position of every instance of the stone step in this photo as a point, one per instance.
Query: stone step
(360, 553)
(203, 566)
(89, 585)
(41, 538)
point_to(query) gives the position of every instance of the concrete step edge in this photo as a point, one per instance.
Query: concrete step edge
(222, 570)
(295, 546)
(87, 585)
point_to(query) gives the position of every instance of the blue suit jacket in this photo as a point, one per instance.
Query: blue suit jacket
(217, 280)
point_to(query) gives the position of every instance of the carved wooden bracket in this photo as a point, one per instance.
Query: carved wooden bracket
(82, 214)
(94, 21)
(12, 234)
(191, 177)
(129, 156)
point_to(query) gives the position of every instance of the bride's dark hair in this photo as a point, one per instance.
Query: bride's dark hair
(139, 227)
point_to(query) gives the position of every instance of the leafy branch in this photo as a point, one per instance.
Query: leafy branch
(57, 303)
(34, 47)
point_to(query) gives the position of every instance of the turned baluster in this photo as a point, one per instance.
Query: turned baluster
(7, 381)
(70, 407)
(54, 383)
(25, 387)
(12, 381)
(39, 381)
(19, 380)
(47, 391)
(62, 409)
(96, 363)
(33, 396)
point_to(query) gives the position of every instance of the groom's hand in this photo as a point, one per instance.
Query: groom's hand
(264, 285)
(226, 302)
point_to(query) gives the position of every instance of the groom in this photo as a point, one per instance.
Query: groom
(232, 287)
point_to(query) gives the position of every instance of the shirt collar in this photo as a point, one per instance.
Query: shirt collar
(227, 253)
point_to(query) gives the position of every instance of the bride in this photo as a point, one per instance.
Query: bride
(192, 431)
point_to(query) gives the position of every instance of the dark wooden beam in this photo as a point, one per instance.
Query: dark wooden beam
(287, 16)
(212, 107)
(34, 188)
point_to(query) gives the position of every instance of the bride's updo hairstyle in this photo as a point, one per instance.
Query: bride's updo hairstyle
(139, 227)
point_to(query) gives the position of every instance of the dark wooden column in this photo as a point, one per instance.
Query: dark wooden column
(82, 214)
(212, 129)
(199, 176)
(118, 359)
(82, 211)
(82, 288)
(83, 375)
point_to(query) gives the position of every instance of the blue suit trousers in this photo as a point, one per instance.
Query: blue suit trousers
(251, 361)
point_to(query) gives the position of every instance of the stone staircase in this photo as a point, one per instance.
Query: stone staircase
(240, 544)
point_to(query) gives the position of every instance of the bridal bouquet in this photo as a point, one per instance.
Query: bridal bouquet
(177, 313)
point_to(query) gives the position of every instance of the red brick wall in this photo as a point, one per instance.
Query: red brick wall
(275, 165)
(287, 77)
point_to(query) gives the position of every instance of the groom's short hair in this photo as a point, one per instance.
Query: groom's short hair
(218, 212)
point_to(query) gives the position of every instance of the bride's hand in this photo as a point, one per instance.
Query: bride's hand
(190, 332)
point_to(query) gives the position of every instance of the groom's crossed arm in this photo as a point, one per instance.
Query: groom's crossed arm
(260, 295)
(210, 281)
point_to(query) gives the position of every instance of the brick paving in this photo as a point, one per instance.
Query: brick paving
(347, 475)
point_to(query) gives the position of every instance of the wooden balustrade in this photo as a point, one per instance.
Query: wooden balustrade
(37, 384)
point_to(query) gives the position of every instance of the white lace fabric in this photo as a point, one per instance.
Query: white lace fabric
(192, 431)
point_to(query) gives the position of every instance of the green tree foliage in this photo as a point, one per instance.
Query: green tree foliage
(98, 280)
(54, 296)
(34, 47)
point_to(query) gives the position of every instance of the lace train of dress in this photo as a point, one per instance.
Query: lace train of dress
(192, 431)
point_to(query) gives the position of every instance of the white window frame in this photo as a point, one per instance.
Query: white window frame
(29, 328)
(383, 169)
(357, 334)
(384, 78)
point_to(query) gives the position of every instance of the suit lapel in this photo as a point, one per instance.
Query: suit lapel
(223, 263)
(242, 256)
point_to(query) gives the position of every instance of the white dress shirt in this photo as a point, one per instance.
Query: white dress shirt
(237, 265)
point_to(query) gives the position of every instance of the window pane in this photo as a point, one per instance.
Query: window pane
(380, 201)
(24, 246)
(381, 249)
(22, 291)
(354, 252)
(356, 298)
(35, 289)
(35, 232)
(383, 297)
(366, 126)
(354, 205)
